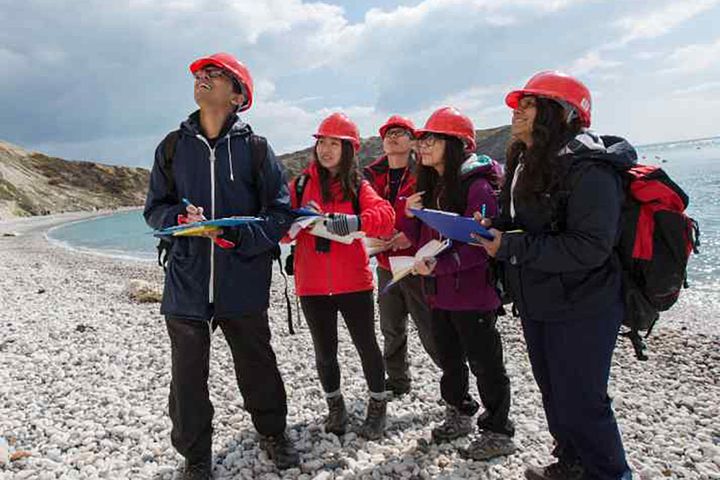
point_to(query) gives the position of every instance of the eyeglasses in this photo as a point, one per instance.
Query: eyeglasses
(210, 73)
(428, 140)
(396, 132)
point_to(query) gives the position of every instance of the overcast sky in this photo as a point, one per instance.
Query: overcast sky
(104, 81)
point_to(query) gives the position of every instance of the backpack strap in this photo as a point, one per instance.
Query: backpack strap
(300, 185)
(356, 201)
(169, 144)
(258, 155)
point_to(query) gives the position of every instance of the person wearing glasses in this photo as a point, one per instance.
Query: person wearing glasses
(205, 170)
(458, 285)
(393, 177)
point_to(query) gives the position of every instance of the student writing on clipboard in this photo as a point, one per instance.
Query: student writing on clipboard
(457, 285)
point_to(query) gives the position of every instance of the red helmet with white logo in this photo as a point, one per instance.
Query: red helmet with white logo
(449, 121)
(232, 65)
(339, 125)
(398, 121)
(556, 86)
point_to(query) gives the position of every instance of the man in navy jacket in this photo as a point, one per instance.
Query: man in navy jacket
(220, 280)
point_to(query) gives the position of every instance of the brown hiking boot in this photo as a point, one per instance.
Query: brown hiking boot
(281, 450)
(489, 445)
(374, 425)
(560, 470)
(456, 425)
(201, 470)
(337, 419)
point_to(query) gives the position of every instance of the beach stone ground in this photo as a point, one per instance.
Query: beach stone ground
(84, 375)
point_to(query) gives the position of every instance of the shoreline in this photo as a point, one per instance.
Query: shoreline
(85, 375)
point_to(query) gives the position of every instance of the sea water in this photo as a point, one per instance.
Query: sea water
(695, 166)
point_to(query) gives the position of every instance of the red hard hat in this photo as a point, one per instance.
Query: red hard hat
(397, 121)
(339, 125)
(449, 121)
(556, 86)
(232, 65)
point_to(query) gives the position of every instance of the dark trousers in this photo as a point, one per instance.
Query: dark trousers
(571, 363)
(404, 298)
(470, 337)
(321, 314)
(256, 370)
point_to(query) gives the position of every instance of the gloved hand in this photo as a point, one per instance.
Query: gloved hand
(342, 224)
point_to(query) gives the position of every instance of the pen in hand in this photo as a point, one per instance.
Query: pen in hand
(195, 214)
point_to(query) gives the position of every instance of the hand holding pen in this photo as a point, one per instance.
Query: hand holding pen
(194, 214)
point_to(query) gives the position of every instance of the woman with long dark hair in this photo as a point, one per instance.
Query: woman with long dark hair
(331, 276)
(561, 205)
(458, 285)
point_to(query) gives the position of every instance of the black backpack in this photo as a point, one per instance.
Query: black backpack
(258, 154)
(656, 239)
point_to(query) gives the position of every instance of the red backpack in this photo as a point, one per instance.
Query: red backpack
(655, 242)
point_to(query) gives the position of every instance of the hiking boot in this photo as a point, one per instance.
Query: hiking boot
(197, 470)
(281, 450)
(336, 421)
(374, 425)
(560, 470)
(484, 424)
(456, 425)
(397, 387)
(489, 445)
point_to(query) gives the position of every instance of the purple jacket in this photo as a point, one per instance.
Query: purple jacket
(463, 279)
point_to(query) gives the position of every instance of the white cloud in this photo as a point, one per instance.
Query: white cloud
(694, 58)
(661, 21)
(700, 88)
(590, 62)
(89, 72)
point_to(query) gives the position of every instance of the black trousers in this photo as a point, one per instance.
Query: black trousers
(571, 363)
(321, 314)
(470, 337)
(404, 298)
(256, 370)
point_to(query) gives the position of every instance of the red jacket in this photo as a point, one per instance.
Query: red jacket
(345, 268)
(378, 174)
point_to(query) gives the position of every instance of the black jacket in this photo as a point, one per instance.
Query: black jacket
(560, 272)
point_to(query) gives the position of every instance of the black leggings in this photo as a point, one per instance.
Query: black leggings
(358, 311)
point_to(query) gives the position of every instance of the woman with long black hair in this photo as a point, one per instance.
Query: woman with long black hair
(332, 276)
(561, 205)
(458, 285)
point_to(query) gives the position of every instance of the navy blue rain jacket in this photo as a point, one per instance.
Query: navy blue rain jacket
(203, 280)
(560, 275)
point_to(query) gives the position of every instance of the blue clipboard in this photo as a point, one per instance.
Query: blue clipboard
(451, 225)
(218, 222)
(305, 212)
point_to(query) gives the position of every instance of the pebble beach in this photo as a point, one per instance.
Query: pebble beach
(85, 371)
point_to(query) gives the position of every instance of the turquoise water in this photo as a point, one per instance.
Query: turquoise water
(122, 234)
(695, 166)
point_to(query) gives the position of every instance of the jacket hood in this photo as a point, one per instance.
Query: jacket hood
(588, 145)
(482, 165)
(233, 126)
